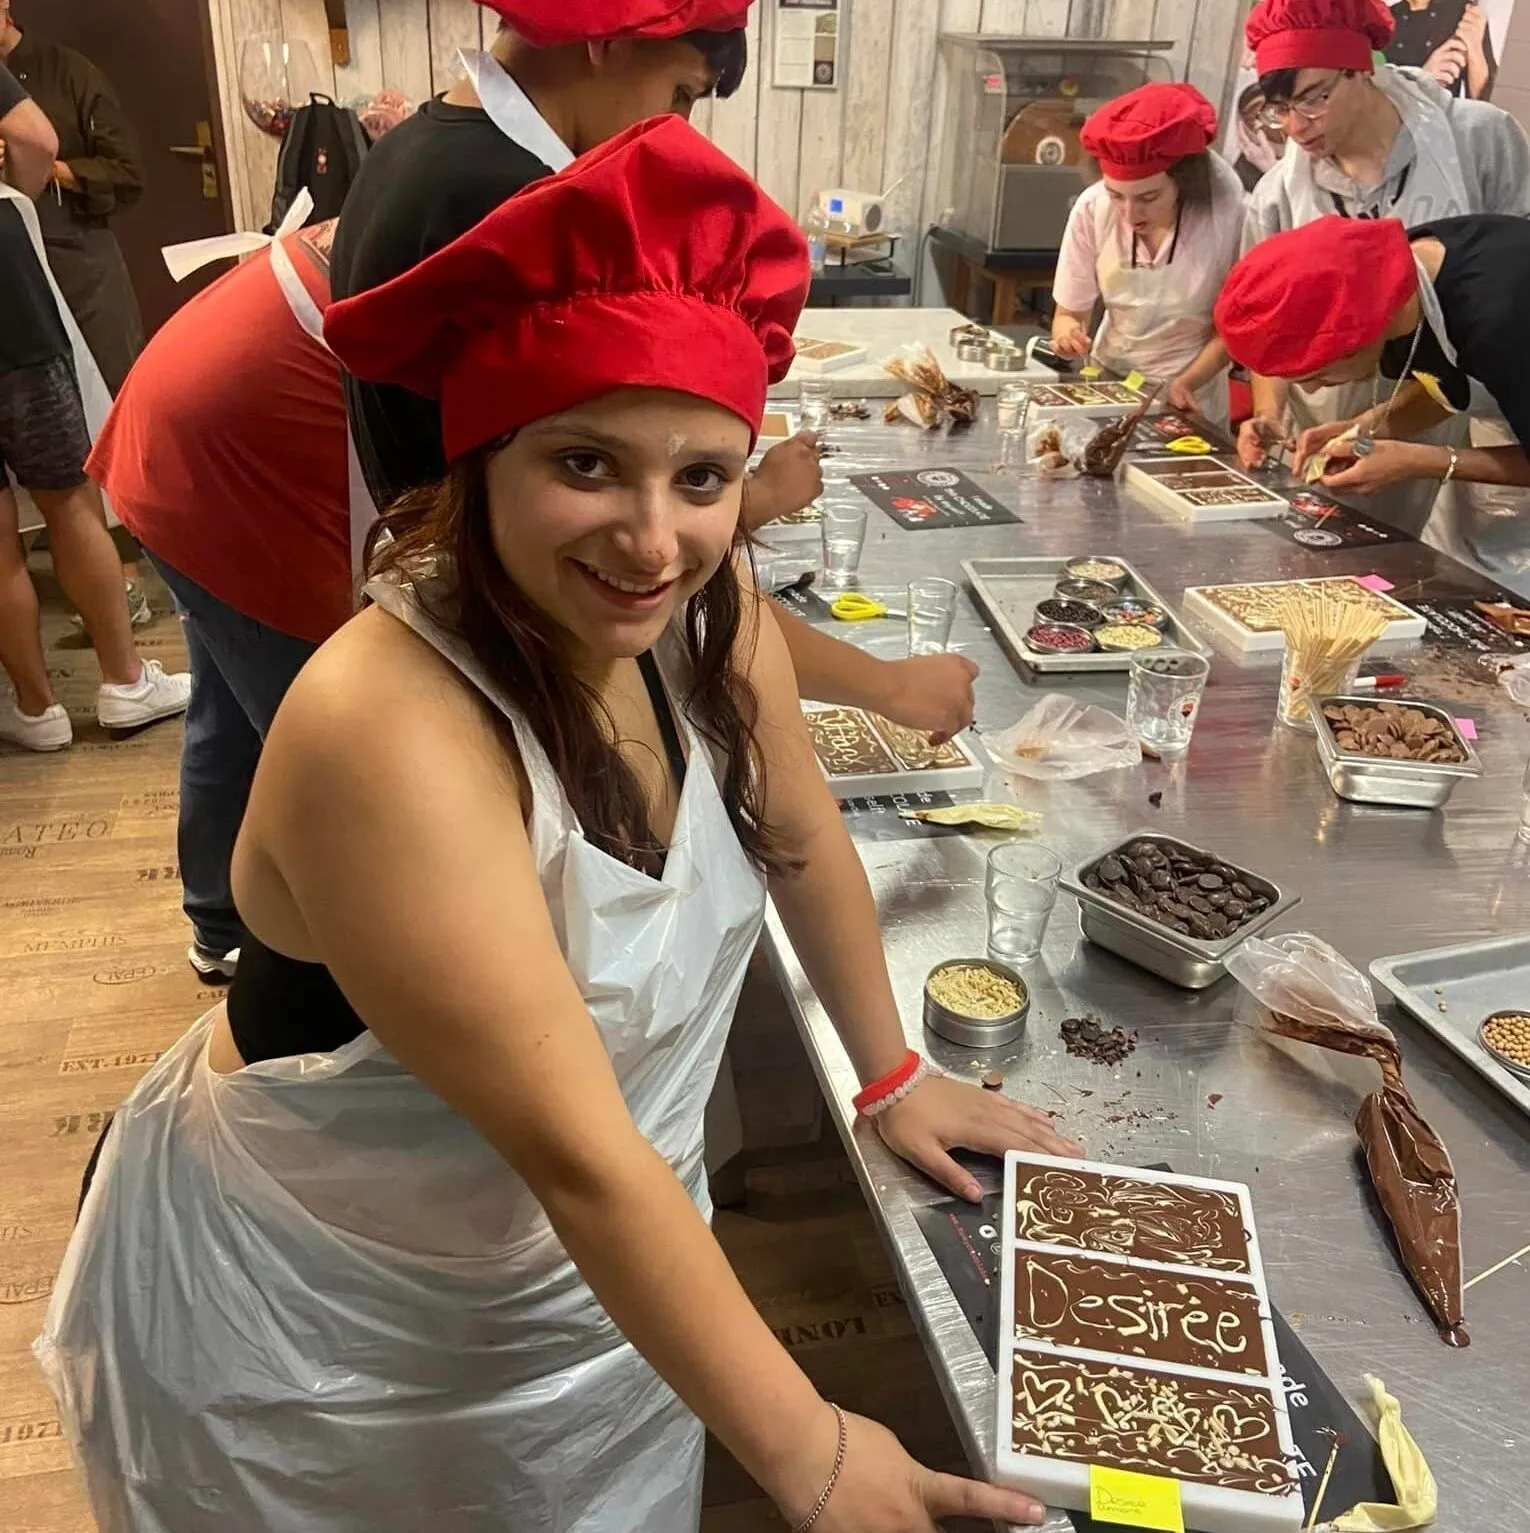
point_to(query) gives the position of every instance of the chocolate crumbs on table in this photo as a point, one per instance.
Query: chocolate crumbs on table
(1086, 1038)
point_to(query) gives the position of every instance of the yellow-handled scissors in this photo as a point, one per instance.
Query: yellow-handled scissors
(853, 607)
(1190, 446)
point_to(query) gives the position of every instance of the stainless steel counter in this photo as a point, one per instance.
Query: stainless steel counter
(1373, 881)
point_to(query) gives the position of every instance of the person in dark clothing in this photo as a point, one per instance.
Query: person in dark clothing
(1448, 39)
(1346, 300)
(96, 176)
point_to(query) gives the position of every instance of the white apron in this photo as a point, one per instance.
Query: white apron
(1157, 316)
(94, 394)
(309, 1296)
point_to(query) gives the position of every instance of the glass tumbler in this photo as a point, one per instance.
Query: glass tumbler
(931, 612)
(1013, 455)
(844, 533)
(1021, 888)
(817, 398)
(1014, 404)
(1304, 677)
(1163, 698)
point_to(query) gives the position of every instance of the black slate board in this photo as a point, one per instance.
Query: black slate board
(921, 499)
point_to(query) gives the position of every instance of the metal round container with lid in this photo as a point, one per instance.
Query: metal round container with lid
(945, 1016)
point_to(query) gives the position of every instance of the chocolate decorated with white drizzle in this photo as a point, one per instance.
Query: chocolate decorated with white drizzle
(1102, 1306)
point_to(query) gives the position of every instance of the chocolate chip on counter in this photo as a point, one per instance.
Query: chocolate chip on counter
(993, 1081)
(1214, 1098)
(1156, 800)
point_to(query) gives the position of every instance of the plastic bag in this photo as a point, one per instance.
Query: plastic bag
(1418, 1497)
(1052, 443)
(1514, 678)
(933, 399)
(1059, 740)
(1313, 994)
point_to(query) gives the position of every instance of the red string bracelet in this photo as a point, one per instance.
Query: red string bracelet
(890, 1085)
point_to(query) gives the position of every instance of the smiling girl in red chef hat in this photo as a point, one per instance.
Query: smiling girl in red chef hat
(1153, 237)
(1366, 139)
(412, 1234)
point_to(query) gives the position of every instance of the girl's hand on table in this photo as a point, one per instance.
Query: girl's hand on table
(1070, 339)
(1182, 395)
(941, 1114)
(882, 1490)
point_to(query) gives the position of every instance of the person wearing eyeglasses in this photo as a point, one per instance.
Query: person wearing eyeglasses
(1367, 140)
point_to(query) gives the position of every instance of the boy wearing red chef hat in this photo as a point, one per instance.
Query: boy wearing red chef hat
(423, 1206)
(1445, 308)
(1366, 140)
(1153, 237)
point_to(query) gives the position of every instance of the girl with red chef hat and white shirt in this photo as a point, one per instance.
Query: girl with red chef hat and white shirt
(1366, 139)
(1154, 238)
(412, 1232)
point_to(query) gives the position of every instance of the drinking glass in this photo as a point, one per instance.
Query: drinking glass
(844, 531)
(931, 611)
(1303, 678)
(1014, 403)
(1014, 452)
(1163, 698)
(1021, 889)
(817, 400)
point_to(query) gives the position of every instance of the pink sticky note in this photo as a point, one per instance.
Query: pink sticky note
(1468, 728)
(1378, 583)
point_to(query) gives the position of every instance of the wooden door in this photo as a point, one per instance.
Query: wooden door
(158, 56)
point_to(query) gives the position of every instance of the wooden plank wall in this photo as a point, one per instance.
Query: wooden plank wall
(883, 126)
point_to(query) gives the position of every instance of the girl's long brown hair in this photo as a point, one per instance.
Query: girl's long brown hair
(441, 539)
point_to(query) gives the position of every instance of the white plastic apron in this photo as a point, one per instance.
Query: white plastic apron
(94, 394)
(309, 1296)
(1157, 316)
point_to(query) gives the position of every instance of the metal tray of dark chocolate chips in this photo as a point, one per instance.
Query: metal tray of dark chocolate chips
(1184, 960)
(1453, 990)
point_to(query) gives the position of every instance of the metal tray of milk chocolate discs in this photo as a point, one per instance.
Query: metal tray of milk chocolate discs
(1453, 990)
(1008, 590)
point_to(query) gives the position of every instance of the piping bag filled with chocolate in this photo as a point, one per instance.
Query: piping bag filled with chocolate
(1314, 995)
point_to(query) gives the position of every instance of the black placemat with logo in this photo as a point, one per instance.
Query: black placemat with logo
(1155, 432)
(877, 819)
(1455, 623)
(966, 1240)
(1318, 522)
(807, 602)
(919, 499)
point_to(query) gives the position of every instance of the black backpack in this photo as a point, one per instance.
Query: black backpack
(322, 150)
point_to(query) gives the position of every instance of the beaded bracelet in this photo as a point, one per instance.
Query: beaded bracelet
(892, 1088)
(822, 1502)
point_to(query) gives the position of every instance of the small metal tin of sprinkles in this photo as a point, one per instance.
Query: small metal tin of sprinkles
(1095, 592)
(1093, 567)
(1059, 639)
(976, 1032)
(1127, 636)
(1128, 611)
(1077, 614)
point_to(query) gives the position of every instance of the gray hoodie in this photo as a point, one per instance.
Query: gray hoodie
(1453, 156)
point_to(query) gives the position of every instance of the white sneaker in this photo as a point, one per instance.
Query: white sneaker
(211, 964)
(49, 730)
(158, 695)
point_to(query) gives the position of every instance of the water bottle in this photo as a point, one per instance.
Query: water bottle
(816, 228)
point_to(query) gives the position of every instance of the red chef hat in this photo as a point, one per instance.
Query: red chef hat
(1299, 301)
(1318, 34)
(1148, 130)
(550, 23)
(651, 262)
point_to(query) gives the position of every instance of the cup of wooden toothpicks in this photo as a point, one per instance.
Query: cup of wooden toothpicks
(1326, 639)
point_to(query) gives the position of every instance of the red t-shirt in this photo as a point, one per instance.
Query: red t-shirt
(225, 451)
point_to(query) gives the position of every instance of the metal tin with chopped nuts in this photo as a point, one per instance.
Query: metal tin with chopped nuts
(1117, 637)
(1093, 567)
(976, 1032)
(1095, 592)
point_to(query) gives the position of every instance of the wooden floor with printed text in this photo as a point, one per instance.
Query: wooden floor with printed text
(94, 985)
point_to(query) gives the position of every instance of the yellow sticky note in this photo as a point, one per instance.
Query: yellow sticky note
(1138, 1500)
(1135, 380)
(1436, 391)
(1090, 370)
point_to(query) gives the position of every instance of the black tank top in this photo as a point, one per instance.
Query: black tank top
(280, 1006)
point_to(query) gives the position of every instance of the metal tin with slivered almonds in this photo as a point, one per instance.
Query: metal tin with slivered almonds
(976, 1032)
(1184, 961)
(1384, 779)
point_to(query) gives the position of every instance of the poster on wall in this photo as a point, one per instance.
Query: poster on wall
(807, 55)
(1458, 42)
